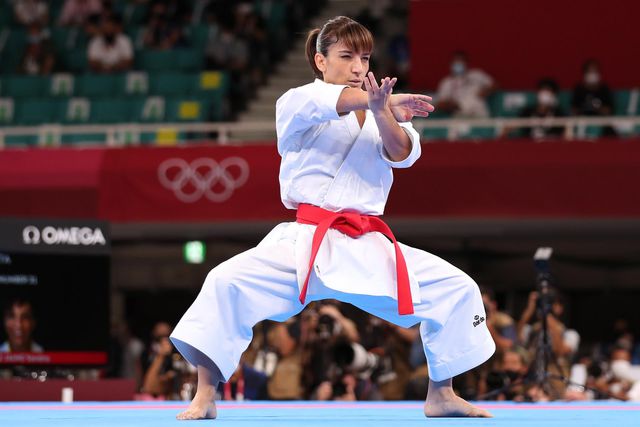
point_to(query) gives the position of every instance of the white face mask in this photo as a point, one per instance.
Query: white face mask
(458, 68)
(547, 98)
(592, 78)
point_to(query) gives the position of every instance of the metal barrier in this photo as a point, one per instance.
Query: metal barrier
(235, 132)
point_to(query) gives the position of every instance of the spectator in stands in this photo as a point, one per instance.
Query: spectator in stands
(38, 58)
(501, 325)
(28, 12)
(463, 93)
(76, 12)
(162, 32)
(564, 341)
(230, 52)
(286, 381)
(167, 371)
(19, 324)
(175, 11)
(250, 27)
(592, 96)
(130, 349)
(111, 51)
(506, 382)
(546, 105)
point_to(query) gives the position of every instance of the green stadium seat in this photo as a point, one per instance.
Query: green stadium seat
(434, 133)
(162, 60)
(35, 111)
(76, 60)
(198, 35)
(74, 111)
(564, 101)
(96, 85)
(149, 110)
(172, 83)
(626, 102)
(213, 85)
(111, 110)
(510, 103)
(11, 54)
(7, 110)
(136, 34)
(84, 139)
(6, 16)
(25, 86)
(134, 83)
(190, 59)
(21, 141)
(62, 84)
(188, 109)
(134, 13)
(210, 82)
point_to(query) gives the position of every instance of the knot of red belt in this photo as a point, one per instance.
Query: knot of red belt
(353, 225)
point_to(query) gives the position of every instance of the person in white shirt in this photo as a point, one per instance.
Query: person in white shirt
(339, 144)
(463, 93)
(111, 51)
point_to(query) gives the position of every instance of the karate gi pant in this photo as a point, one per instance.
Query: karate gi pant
(262, 283)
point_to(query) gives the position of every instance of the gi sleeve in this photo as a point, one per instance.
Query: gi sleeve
(416, 150)
(301, 108)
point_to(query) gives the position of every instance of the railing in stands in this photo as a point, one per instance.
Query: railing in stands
(229, 132)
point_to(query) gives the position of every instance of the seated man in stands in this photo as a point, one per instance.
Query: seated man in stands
(111, 51)
(19, 324)
(463, 93)
(546, 106)
(592, 97)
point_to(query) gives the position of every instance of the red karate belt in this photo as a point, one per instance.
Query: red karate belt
(353, 225)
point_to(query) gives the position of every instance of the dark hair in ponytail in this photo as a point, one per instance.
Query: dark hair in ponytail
(310, 48)
(341, 28)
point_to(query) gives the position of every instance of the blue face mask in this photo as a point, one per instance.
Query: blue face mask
(458, 68)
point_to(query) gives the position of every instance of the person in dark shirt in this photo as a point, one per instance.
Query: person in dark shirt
(592, 97)
(546, 105)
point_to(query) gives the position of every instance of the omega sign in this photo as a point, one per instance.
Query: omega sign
(84, 236)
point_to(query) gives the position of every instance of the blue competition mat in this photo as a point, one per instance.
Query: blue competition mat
(309, 414)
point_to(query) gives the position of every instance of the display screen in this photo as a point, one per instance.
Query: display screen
(54, 292)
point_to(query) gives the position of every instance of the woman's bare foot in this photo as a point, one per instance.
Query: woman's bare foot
(203, 406)
(443, 402)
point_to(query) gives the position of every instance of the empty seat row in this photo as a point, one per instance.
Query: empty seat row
(214, 83)
(154, 109)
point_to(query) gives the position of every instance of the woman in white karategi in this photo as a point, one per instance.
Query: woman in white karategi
(339, 144)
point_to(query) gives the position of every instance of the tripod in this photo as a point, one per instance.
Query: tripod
(539, 374)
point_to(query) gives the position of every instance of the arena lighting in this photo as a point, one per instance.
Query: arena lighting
(194, 252)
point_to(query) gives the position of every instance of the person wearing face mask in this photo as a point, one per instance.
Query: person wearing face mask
(111, 51)
(591, 96)
(546, 105)
(463, 93)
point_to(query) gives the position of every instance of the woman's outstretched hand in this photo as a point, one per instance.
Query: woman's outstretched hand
(406, 106)
(403, 106)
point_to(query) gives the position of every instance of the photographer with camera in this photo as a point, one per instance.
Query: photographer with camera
(337, 365)
(563, 341)
(167, 372)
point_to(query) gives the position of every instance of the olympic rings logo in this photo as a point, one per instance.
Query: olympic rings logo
(203, 177)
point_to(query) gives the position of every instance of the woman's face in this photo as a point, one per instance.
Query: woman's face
(343, 66)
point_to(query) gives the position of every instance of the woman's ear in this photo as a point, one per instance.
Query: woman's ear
(321, 62)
